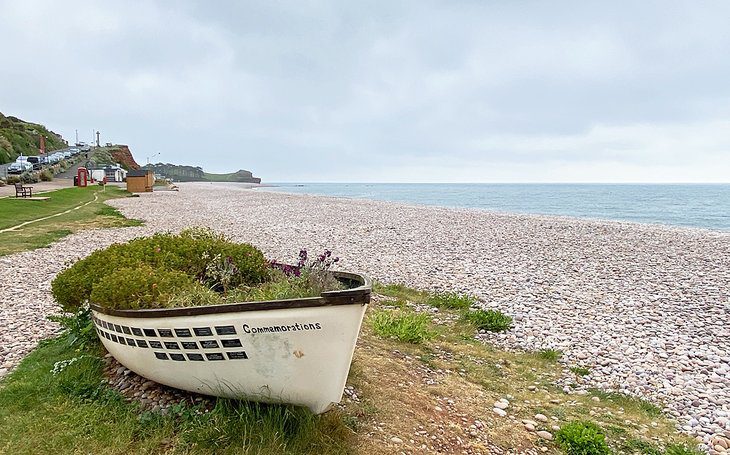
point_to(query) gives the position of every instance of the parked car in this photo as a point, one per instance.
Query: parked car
(19, 167)
(66, 154)
(36, 161)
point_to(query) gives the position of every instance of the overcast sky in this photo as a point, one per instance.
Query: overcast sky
(385, 91)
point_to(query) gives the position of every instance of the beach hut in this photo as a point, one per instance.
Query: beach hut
(140, 181)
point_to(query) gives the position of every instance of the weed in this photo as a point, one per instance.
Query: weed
(582, 438)
(580, 371)
(551, 355)
(639, 446)
(107, 210)
(681, 449)
(78, 328)
(647, 408)
(405, 326)
(490, 320)
(451, 300)
(401, 292)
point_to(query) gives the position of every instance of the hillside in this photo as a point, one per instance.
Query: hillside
(241, 176)
(20, 137)
(182, 173)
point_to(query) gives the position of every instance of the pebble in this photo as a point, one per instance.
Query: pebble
(501, 404)
(654, 297)
(545, 434)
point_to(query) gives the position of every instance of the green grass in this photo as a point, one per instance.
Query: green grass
(551, 355)
(490, 320)
(451, 300)
(639, 446)
(681, 449)
(42, 233)
(75, 412)
(405, 326)
(580, 371)
(625, 401)
(401, 292)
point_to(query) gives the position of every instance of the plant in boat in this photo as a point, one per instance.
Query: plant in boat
(195, 267)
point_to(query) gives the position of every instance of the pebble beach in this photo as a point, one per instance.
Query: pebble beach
(645, 308)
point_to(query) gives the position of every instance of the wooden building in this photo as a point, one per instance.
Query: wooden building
(140, 181)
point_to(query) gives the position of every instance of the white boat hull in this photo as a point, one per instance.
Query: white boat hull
(296, 355)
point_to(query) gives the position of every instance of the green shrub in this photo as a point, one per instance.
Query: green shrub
(29, 177)
(12, 179)
(404, 326)
(139, 287)
(582, 438)
(451, 300)
(78, 330)
(490, 320)
(46, 175)
(190, 252)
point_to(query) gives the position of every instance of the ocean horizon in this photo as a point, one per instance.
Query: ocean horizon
(677, 204)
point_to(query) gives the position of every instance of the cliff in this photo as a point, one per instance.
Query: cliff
(122, 155)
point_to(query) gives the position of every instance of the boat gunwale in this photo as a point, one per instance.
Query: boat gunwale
(359, 295)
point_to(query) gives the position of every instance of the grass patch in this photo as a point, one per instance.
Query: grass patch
(42, 233)
(551, 355)
(73, 411)
(489, 320)
(625, 401)
(401, 292)
(580, 371)
(682, 449)
(639, 446)
(404, 326)
(451, 300)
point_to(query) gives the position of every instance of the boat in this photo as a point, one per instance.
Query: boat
(294, 351)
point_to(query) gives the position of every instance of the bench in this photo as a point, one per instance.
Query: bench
(23, 191)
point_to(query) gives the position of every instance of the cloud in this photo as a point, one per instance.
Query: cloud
(376, 91)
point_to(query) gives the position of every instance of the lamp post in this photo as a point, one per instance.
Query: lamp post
(150, 157)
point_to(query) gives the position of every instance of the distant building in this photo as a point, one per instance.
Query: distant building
(112, 173)
(140, 181)
(115, 173)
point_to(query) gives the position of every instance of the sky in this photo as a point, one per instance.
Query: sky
(387, 91)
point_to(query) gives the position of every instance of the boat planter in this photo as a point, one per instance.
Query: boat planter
(280, 351)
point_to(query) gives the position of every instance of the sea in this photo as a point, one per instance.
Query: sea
(690, 205)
